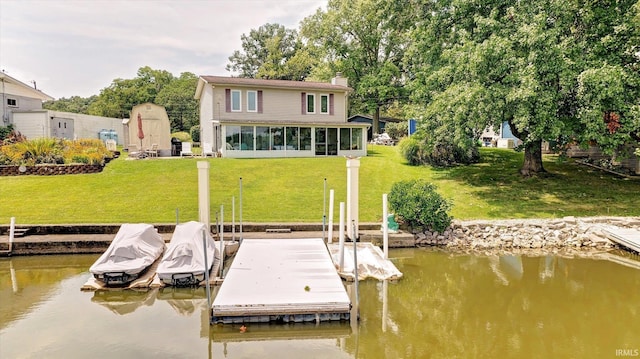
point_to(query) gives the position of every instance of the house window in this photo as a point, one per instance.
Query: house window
(311, 103)
(277, 138)
(324, 104)
(236, 101)
(233, 137)
(305, 138)
(246, 138)
(292, 137)
(262, 138)
(12, 102)
(252, 101)
(350, 139)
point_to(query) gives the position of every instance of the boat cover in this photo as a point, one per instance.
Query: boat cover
(135, 247)
(185, 254)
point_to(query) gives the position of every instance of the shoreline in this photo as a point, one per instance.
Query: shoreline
(570, 235)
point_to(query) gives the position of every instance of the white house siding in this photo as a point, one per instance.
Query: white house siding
(32, 124)
(37, 124)
(207, 109)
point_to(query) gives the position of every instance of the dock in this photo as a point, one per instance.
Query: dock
(627, 237)
(281, 280)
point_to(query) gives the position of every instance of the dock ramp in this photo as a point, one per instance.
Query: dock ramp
(281, 280)
(627, 237)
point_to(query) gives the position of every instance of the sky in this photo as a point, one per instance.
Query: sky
(76, 48)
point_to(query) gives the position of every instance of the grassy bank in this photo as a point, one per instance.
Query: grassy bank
(286, 190)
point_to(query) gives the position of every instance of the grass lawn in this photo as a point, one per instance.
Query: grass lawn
(291, 190)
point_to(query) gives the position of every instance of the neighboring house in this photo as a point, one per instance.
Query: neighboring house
(369, 120)
(72, 126)
(18, 96)
(252, 118)
(503, 139)
(22, 108)
(156, 128)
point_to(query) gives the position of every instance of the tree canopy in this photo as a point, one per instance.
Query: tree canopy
(272, 52)
(551, 69)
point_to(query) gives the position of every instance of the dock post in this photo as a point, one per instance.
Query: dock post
(206, 271)
(355, 269)
(330, 235)
(341, 239)
(233, 218)
(324, 208)
(221, 241)
(353, 167)
(385, 227)
(240, 210)
(203, 193)
(12, 233)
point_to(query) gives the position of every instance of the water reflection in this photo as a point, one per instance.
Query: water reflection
(124, 302)
(446, 305)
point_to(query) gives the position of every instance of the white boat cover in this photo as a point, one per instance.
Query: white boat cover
(135, 247)
(185, 254)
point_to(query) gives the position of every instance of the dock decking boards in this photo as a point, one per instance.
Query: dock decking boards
(627, 237)
(288, 280)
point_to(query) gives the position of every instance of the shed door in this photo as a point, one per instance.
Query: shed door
(62, 128)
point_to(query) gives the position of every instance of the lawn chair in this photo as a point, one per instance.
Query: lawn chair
(153, 151)
(207, 150)
(133, 150)
(186, 149)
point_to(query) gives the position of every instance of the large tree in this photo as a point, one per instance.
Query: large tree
(272, 52)
(365, 40)
(477, 64)
(177, 98)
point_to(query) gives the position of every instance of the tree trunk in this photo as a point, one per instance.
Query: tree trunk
(376, 121)
(532, 159)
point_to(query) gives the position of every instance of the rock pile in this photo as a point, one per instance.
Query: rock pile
(569, 232)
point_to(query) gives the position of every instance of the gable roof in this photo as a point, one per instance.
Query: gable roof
(263, 83)
(12, 86)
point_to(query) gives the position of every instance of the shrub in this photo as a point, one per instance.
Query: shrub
(182, 136)
(195, 133)
(419, 205)
(54, 151)
(411, 151)
(5, 131)
(397, 130)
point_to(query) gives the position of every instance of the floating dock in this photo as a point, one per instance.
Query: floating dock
(281, 280)
(627, 237)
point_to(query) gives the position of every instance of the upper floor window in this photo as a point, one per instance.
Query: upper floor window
(311, 103)
(236, 100)
(324, 104)
(252, 101)
(12, 102)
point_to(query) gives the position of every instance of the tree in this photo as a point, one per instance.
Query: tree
(118, 99)
(474, 65)
(272, 52)
(74, 104)
(177, 99)
(365, 41)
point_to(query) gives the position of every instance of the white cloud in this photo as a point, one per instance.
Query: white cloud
(72, 47)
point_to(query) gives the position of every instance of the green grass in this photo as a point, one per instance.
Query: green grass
(291, 189)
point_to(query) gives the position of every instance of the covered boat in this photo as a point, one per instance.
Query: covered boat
(183, 263)
(135, 247)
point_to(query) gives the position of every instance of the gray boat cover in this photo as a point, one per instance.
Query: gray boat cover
(135, 247)
(185, 254)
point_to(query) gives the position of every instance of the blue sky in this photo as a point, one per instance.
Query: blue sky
(72, 47)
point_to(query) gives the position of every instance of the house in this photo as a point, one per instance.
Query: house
(22, 108)
(156, 128)
(18, 96)
(251, 118)
(503, 139)
(369, 120)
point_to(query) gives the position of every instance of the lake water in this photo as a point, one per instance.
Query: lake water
(446, 306)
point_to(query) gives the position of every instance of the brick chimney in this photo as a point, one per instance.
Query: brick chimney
(339, 80)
